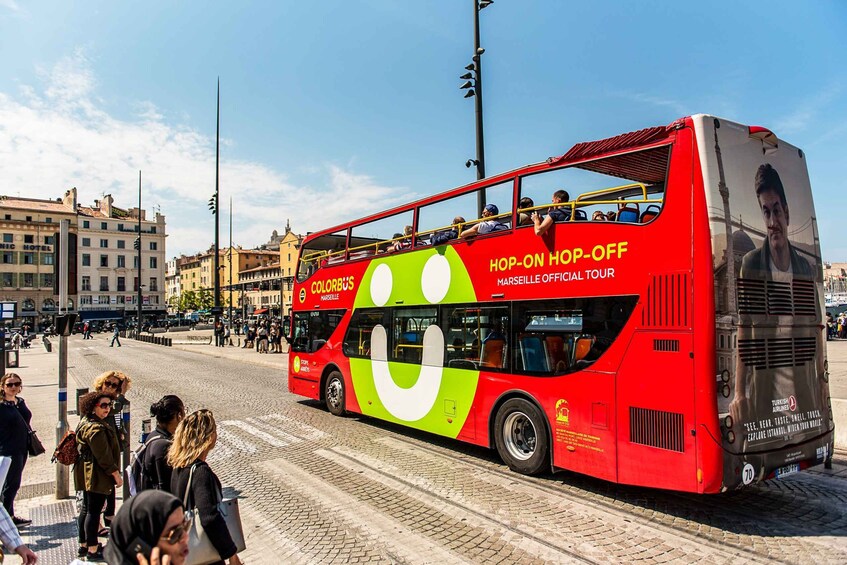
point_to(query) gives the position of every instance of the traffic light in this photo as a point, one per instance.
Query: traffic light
(137, 243)
(57, 260)
(212, 204)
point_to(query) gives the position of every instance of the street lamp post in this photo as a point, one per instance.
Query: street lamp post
(474, 89)
(217, 308)
(138, 249)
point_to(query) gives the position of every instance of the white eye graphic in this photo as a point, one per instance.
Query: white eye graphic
(382, 282)
(435, 278)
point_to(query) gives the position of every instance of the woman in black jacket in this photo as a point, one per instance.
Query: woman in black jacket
(169, 411)
(194, 438)
(14, 435)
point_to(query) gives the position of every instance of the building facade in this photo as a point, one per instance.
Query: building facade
(109, 270)
(28, 227)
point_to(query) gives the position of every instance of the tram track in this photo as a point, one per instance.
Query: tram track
(663, 531)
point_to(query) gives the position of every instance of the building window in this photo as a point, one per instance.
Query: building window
(8, 216)
(120, 227)
(104, 243)
(154, 284)
(86, 282)
(8, 257)
(135, 284)
(104, 284)
(48, 220)
(104, 260)
(7, 279)
(28, 239)
(46, 258)
(84, 300)
(29, 218)
(153, 229)
(153, 246)
(121, 284)
(135, 261)
(104, 225)
(153, 263)
(121, 244)
(121, 261)
(47, 280)
(48, 240)
(29, 258)
(8, 238)
(86, 260)
(29, 280)
(104, 299)
(86, 242)
(86, 224)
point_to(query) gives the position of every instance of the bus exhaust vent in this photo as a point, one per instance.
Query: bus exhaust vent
(776, 298)
(667, 301)
(776, 352)
(665, 345)
(656, 428)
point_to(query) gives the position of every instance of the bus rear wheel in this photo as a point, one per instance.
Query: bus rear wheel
(521, 436)
(334, 393)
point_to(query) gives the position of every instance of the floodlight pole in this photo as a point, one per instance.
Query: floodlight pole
(217, 263)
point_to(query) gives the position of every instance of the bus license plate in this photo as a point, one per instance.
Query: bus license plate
(787, 470)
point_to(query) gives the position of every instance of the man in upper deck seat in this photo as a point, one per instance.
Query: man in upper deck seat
(554, 213)
(485, 226)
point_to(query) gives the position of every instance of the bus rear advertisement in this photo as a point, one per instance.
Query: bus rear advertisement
(646, 309)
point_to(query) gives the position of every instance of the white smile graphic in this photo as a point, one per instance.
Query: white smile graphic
(410, 404)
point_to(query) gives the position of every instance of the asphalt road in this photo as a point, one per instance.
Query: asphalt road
(319, 489)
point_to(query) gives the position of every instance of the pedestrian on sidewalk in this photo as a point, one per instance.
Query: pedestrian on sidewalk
(169, 412)
(194, 438)
(226, 339)
(11, 538)
(86, 330)
(156, 519)
(97, 471)
(116, 336)
(15, 418)
(117, 384)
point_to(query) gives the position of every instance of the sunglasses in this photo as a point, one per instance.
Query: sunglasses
(112, 384)
(13, 385)
(104, 405)
(176, 533)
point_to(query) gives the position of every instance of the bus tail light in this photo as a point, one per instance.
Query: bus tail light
(725, 390)
(727, 422)
(730, 437)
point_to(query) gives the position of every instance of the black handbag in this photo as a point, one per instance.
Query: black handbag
(34, 445)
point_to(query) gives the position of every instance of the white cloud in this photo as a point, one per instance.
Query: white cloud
(58, 135)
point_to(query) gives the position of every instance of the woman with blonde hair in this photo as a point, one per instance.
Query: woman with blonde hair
(194, 438)
(117, 384)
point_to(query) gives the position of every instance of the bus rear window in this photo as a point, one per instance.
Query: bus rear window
(313, 329)
(322, 251)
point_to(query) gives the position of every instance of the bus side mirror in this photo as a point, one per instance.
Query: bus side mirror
(286, 329)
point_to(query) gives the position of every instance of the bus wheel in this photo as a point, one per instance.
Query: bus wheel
(521, 436)
(334, 393)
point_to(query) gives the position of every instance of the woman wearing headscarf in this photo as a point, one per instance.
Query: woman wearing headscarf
(97, 471)
(194, 438)
(169, 411)
(116, 383)
(14, 434)
(152, 519)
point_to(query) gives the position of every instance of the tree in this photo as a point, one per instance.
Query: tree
(188, 301)
(205, 300)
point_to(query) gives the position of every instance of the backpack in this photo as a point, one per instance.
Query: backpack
(134, 472)
(66, 452)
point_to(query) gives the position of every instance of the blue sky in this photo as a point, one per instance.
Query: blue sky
(334, 109)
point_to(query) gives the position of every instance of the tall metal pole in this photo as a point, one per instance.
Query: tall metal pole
(62, 488)
(480, 143)
(230, 263)
(217, 273)
(139, 296)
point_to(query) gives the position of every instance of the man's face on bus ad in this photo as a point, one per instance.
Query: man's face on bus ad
(775, 215)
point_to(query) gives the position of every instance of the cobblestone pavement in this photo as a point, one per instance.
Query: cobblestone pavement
(319, 489)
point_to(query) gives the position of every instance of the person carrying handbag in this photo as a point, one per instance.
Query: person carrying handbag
(15, 417)
(195, 482)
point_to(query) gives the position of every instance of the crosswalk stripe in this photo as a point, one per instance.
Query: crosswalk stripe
(253, 430)
(269, 428)
(307, 431)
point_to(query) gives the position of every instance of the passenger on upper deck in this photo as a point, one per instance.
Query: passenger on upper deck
(442, 237)
(404, 243)
(598, 216)
(485, 226)
(523, 218)
(554, 214)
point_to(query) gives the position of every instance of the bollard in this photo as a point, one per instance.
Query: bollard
(80, 392)
(145, 430)
(47, 345)
(125, 418)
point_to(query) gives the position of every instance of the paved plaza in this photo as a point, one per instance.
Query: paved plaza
(314, 488)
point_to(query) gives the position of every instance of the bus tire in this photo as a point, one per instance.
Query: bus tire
(334, 394)
(521, 436)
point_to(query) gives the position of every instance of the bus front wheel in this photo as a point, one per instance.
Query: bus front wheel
(521, 437)
(334, 393)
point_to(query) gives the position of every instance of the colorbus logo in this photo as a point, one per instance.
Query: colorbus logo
(334, 285)
(302, 295)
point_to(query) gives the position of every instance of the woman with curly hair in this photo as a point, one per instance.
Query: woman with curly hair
(97, 471)
(14, 434)
(117, 384)
(194, 438)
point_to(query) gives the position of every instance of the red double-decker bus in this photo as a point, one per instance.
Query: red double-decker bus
(647, 309)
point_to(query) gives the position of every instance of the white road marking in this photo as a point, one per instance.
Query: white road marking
(253, 430)
(308, 432)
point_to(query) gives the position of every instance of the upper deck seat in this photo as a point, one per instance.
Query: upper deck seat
(649, 213)
(493, 353)
(533, 353)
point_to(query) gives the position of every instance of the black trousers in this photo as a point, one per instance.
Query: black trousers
(13, 481)
(88, 521)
